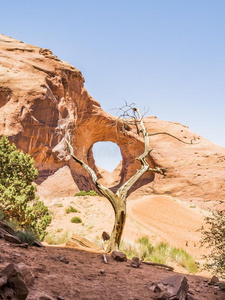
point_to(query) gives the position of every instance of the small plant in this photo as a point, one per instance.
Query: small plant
(76, 220)
(57, 238)
(184, 259)
(26, 236)
(71, 209)
(84, 193)
(58, 204)
(14, 224)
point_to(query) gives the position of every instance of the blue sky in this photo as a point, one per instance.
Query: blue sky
(165, 55)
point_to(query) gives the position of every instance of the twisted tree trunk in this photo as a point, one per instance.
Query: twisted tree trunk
(120, 219)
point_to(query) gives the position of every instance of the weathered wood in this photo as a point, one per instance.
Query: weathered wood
(104, 258)
(158, 265)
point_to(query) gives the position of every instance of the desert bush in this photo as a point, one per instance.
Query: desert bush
(27, 236)
(184, 259)
(84, 193)
(160, 253)
(76, 220)
(17, 193)
(57, 238)
(71, 209)
(214, 237)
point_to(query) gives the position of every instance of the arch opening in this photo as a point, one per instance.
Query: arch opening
(107, 155)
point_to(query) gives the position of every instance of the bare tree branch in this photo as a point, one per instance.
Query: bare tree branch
(122, 192)
(173, 136)
(102, 189)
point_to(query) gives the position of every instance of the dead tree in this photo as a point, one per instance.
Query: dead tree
(118, 199)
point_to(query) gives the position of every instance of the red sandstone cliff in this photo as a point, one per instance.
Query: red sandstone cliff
(40, 94)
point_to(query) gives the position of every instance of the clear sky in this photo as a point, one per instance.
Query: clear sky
(164, 55)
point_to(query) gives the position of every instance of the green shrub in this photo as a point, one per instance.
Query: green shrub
(184, 259)
(214, 237)
(84, 193)
(26, 236)
(76, 220)
(2, 215)
(143, 241)
(17, 193)
(71, 209)
(160, 253)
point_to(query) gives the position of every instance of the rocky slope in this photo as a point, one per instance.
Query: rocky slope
(51, 273)
(41, 95)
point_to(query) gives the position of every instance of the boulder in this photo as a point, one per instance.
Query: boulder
(27, 274)
(16, 281)
(119, 256)
(3, 280)
(6, 228)
(176, 286)
(12, 239)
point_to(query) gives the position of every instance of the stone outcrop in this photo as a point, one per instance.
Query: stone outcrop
(41, 95)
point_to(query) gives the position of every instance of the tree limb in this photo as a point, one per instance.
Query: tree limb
(102, 189)
(173, 136)
(157, 265)
(104, 258)
(122, 191)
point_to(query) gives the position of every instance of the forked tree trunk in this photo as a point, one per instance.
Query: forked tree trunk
(118, 199)
(119, 223)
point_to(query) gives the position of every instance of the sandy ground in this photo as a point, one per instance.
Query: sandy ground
(171, 220)
(160, 218)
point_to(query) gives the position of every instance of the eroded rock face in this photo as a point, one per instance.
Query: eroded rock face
(41, 95)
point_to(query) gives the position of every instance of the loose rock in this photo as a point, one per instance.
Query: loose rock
(176, 286)
(213, 280)
(119, 256)
(63, 259)
(12, 239)
(135, 262)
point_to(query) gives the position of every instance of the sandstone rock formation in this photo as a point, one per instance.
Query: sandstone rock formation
(40, 95)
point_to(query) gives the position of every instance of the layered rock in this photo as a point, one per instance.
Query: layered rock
(41, 95)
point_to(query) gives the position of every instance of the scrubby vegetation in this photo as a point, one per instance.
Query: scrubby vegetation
(84, 193)
(76, 220)
(18, 201)
(214, 237)
(26, 236)
(71, 209)
(57, 238)
(160, 253)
